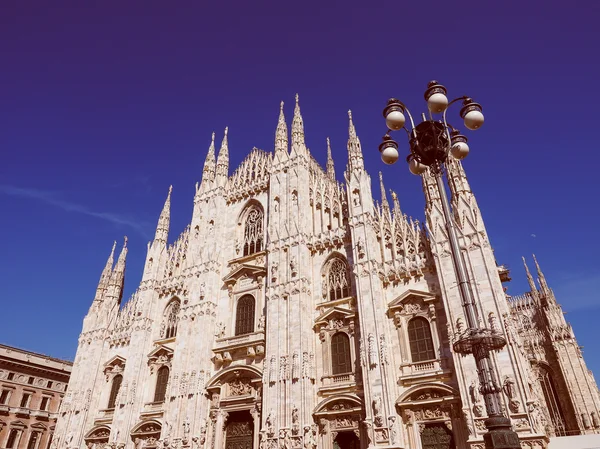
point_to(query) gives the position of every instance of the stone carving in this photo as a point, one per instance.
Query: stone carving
(283, 367)
(261, 322)
(274, 267)
(595, 420)
(474, 392)
(220, 332)
(361, 348)
(360, 247)
(493, 321)
(393, 430)
(383, 350)
(372, 351)
(377, 411)
(270, 425)
(186, 428)
(295, 366)
(460, 325)
(310, 441)
(240, 386)
(285, 441)
(273, 369)
(293, 266)
(535, 417)
(305, 365)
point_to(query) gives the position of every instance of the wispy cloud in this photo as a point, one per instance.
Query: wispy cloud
(54, 199)
(578, 292)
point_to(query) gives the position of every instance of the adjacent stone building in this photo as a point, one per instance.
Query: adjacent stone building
(296, 312)
(31, 389)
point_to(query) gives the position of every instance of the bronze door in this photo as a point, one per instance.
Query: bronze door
(436, 436)
(239, 435)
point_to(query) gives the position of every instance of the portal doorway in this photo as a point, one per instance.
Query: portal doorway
(346, 440)
(239, 432)
(437, 436)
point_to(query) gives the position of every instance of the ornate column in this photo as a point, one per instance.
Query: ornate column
(219, 429)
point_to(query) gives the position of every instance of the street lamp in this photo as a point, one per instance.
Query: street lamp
(431, 142)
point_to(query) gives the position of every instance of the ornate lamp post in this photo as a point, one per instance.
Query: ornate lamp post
(431, 143)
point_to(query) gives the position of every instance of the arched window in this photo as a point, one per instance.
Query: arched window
(419, 336)
(162, 379)
(340, 354)
(114, 390)
(171, 320)
(552, 402)
(244, 318)
(12, 438)
(338, 285)
(253, 232)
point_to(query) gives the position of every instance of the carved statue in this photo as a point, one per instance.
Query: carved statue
(360, 247)
(261, 322)
(493, 320)
(186, 428)
(474, 392)
(274, 267)
(269, 423)
(372, 351)
(294, 266)
(377, 410)
(393, 429)
(263, 440)
(460, 325)
(295, 415)
(535, 418)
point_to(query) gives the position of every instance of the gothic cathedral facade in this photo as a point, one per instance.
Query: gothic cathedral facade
(296, 312)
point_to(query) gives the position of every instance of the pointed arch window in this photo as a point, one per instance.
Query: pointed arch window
(340, 354)
(338, 284)
(114, 390)
(552, 401)
(419, 337)
(253, 232)
(244, 318)
(171, 320)
(162, 379)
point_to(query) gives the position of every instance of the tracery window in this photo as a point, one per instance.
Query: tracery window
(162, 379)
(338, 285)
(244, 318)
(171, 320)
(340, 354)
(421, 343)
(114, 390)
(552, 402)
(253, 232)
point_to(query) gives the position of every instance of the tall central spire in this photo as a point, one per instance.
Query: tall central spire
(330, 166)
(162, 229)
(281, 134)
(223, 161)
(298, 143)
(355, 156)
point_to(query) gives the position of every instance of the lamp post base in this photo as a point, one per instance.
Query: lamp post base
(500, 434)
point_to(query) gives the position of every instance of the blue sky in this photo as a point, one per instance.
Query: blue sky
(106, 104)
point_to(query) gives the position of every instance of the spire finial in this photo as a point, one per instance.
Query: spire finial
(355, 157)
(541, 277)
(125, 239)
(226, 130)
(397, 211)
(281, 134)
(330, 165)
(162, 229)
(530, 281)
(208, 173)
(384, 201)
(298, 144)
(223, 161)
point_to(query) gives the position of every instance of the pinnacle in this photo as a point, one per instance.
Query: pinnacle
(384, 201)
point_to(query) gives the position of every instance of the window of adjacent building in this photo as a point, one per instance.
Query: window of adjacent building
(4, 397)
(49, 443)
(162, 380)
(30, 380)
(33, 439)
(421, 343)
(337, 280)
(12, 438)
(44, 403)
(340, 354)
(114, 390)
(171, 319)
(25, 400)
(253, 232)
(244, 318)
(49, 384)
(11, 376)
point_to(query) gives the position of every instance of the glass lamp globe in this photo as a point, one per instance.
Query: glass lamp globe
(389, 155)
(460, 150)
(473, 119)
(437, 103)
(395, 120)
(416, 168)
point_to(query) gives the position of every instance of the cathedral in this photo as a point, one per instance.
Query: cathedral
(295, 311)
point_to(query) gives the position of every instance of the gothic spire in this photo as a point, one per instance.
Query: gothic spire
(208, 174)
(330, 166)
(162, 229)
(541, 277)
(105, 276)
(298, 144)
(532, 286)
(397, 211)
(355, 156)
(384, 201)
(281, 134)
(118, 275)
(223, 161)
